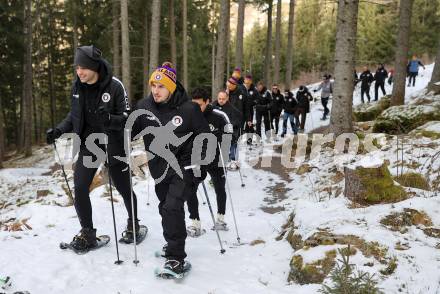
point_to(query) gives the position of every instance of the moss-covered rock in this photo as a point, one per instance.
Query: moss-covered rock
(368, 112)
(399, 221)
(368, 249)
(311, 273)
(295, 240)
(405, 118)
(413, 180)
(430, 130)
(372, 186)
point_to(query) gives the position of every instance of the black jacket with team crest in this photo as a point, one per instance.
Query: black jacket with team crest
(188, 118)
(219, 125)
(112, 97)
(238, 99)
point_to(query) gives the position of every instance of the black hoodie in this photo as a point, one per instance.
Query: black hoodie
(110, 95)
(187, 118)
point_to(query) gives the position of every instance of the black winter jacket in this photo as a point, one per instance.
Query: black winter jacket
(219, 125)
(238, 99)
(252, 98)
(264, 101)
(304, 99)
(112, 97)
(381, 75)
(183, 117)
(366, 79)
(277, 103)
(234, 115)
(290, 103)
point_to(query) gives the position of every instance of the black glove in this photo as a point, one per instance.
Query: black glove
(52, 135)
(315, 91)
(191, 174)
(103, 116)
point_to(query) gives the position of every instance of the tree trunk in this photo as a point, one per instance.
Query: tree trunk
(435, 78)
(341, 115)
(228, 38)
(213, 94)
(126, 79)
(2, 135)
(50, 73)
(277, 44)
(290, 36)
(398, 96)
(173, 33)
(27, 81)
(240, 29)
(220, 59)
(268, 53)
(155, 35)
(145, 54)
(75, 25)
(185, 44)
(116, 39)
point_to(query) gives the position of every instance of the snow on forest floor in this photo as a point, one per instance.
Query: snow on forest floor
(32, 199)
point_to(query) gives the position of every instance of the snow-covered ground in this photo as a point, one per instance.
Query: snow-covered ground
(35, 263)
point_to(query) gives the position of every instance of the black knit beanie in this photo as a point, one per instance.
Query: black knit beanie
(88, 57)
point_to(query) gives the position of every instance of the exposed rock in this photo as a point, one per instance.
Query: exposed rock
(311, 273)
(399, 221)
(368, 112)
(372, 186)
(405, 118)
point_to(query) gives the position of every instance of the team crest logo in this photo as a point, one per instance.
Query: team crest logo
(211, 127)
(158, 77)
(105, 97)
(240, 97)
(290, 100)
(177, 120)
(251, 92)
(278, 98)
(151, 117)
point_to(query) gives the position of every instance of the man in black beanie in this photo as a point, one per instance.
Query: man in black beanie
(99, 104)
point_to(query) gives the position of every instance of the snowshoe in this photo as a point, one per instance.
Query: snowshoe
(5, 283)
(85, 241)
(195, 230)
(220, 224)
(173, 269)
(233, 166)
(128, 236)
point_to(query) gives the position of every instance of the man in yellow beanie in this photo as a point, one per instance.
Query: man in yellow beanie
(174, 115)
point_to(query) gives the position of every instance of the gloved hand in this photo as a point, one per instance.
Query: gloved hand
(103, 116)
(195, 174)
(52, 135)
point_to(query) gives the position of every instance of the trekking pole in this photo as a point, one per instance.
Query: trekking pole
(213, 219)
(118, 261)
(148, 189)
(229, 192)
(133, 217)
(62, 168)
(237, 157)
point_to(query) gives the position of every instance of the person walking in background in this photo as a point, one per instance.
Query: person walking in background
(303, 98)
(290, 107)
(366, 79)
(413, 70)
(380, 77)
(277, 107)
(326, 88)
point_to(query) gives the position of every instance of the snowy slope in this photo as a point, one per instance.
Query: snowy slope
(35, 263)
